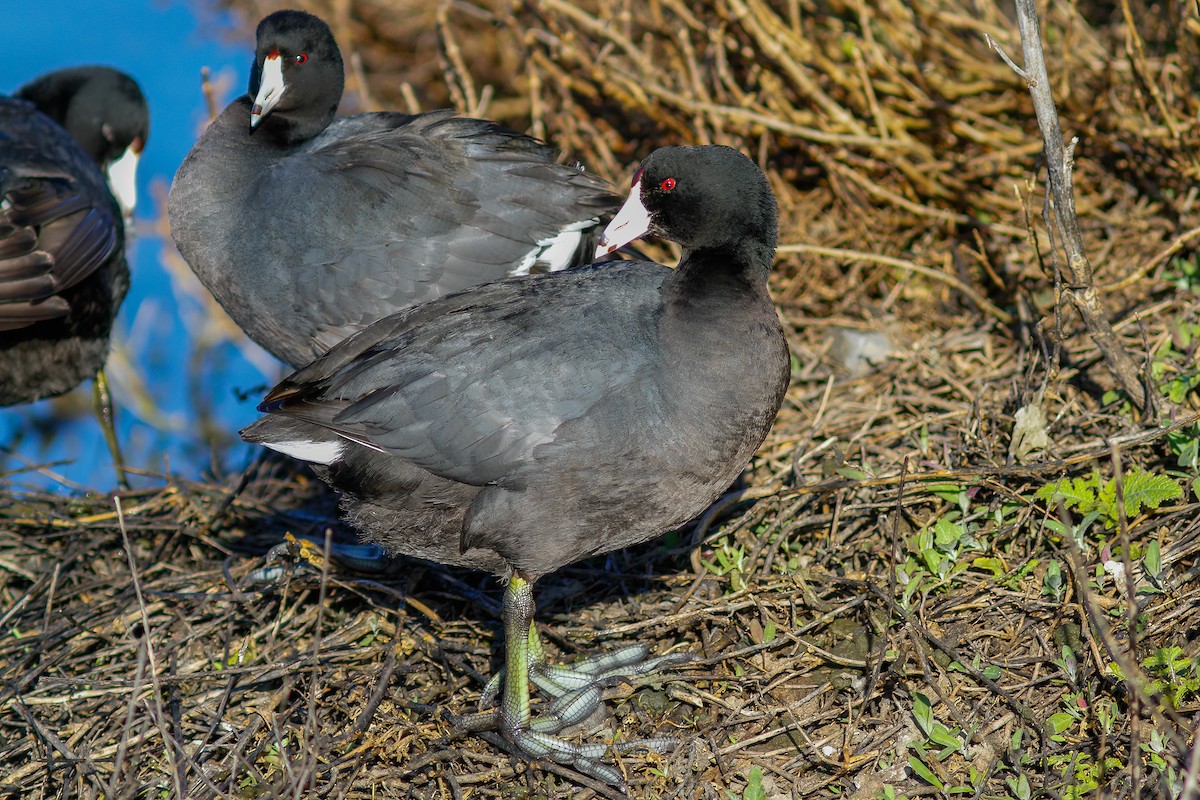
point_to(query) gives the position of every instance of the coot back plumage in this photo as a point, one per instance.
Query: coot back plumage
(306, 228)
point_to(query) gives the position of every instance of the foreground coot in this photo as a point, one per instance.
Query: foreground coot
(105, 111)
(306, 228)
(524, 424)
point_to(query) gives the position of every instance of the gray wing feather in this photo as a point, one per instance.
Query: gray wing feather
(468, 388)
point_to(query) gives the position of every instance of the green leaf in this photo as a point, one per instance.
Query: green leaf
(923, 713)
(1056, 527)
(1052, 584)
(1060, 722)
(946, 533)
(992, 565)
(1020, 787)
(923, 772)
(1147, 490)
(852, 474)
(1153, 559)
(754, 785)
(945, 490)
(1072, 492)
(942, 737)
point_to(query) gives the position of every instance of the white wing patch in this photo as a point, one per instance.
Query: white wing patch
(313, 452)
(555, 252)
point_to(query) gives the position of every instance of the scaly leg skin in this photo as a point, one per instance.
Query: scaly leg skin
(599, 671)
(576, 692)
(102, 407)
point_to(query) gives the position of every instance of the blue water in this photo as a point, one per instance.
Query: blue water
(186, 384)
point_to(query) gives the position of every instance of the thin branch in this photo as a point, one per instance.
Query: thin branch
(1080, 282)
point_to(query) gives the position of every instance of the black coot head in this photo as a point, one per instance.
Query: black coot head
(103, 108)
(105, 111)
(297, 78)
(118, 103)
(701, 197)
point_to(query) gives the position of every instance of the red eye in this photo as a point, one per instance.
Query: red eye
(668, 185)
(300, 59)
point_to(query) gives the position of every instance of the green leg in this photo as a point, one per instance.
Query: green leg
(576, 693)
(518, 639)
(102, 407)
(537, 654)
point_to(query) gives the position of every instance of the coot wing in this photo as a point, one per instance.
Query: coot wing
(53, 233)
(470, 386)
(446, 200)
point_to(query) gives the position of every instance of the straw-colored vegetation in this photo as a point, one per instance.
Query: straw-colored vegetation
(963, 564)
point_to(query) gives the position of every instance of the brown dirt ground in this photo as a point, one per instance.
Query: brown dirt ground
(141, 659)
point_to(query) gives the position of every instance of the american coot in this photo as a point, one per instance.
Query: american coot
(106, 112)
(527, 423)
(306, 228)
(63, 273)
(63, 270)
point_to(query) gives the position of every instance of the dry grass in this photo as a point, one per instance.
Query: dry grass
(140, 660)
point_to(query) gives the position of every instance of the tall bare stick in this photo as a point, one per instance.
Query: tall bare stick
(1080, 284)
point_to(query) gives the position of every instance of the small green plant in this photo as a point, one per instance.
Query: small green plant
(754, 787)
(728, 558)
(1184, 272)
(1172, 365)
(275, 752)
(1170, 674)
(1185, 444)
(790, 555)
(1152, 568)
(940, 743)
(1173, 675)
(934, 555)
(1074, 711)
(1080, 773)
(1019, 786)
(1053, 585)
(991, 672)
(245, 654)
(1157, 755)
(1069, 664)
(1097, 499)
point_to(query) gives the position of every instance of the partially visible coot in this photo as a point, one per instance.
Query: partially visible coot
(63, 273)
(307, 229)
(525, 424)
(106, 112)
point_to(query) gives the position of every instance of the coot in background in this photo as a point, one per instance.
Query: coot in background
(105, 111)
(306, 228)
(63, 272)
(169, 352)
(525, 424)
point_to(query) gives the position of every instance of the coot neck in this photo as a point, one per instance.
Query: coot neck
(721, 274)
